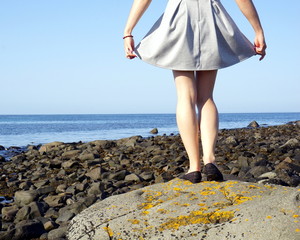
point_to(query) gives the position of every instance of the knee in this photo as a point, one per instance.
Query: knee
(188, 97)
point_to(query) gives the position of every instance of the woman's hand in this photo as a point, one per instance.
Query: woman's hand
(260, 45)
(129, 48)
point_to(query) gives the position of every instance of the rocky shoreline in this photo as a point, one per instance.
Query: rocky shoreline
(50, 184)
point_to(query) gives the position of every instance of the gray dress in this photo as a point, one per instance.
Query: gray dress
(194, 35)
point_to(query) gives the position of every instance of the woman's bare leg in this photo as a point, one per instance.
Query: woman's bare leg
(207, 113)
(186, 115)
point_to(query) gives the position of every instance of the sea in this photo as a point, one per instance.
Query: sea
(24, 130)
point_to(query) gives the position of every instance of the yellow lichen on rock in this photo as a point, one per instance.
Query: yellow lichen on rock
(197, 217)
(109, 231)
(134, 221)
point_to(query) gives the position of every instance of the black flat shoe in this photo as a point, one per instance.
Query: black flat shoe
(194, 177)
(213, 173)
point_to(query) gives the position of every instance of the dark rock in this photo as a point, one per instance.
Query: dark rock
(2, 159)
(29, 229)
(253, 124)
(154, 131)
(2, 148)
(119, 176)
(37, 209)
(258, 170)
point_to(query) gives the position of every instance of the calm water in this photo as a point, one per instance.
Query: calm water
(21, 130)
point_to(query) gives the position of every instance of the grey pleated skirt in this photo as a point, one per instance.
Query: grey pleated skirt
(194, 35)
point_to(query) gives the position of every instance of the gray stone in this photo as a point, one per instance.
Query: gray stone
(47, 147)
(56, 200)
(231, 140)
(96, 188)
(22, 214)
(61, 188)
(57, 233)
(258, 170)
(147, 176)
(9, 213)
(69, 164)
(23, 198)
(88, 156)
(64, 217)
(132, 177)
(45, 190)
(95, 173)
(243, 161)
(119, 176)
(70, 154)
(180, 210)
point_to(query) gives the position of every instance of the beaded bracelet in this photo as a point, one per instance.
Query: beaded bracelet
(127, 36)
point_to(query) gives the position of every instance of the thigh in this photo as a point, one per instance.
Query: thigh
(185, 83)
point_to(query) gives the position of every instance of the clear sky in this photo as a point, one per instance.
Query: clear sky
(66, 56)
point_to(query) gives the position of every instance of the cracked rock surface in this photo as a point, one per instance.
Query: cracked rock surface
(180, 210)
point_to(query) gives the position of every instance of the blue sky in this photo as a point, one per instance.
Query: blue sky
(66, 56)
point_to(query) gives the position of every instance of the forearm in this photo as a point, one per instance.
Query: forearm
(248, 9)
(137, 10)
